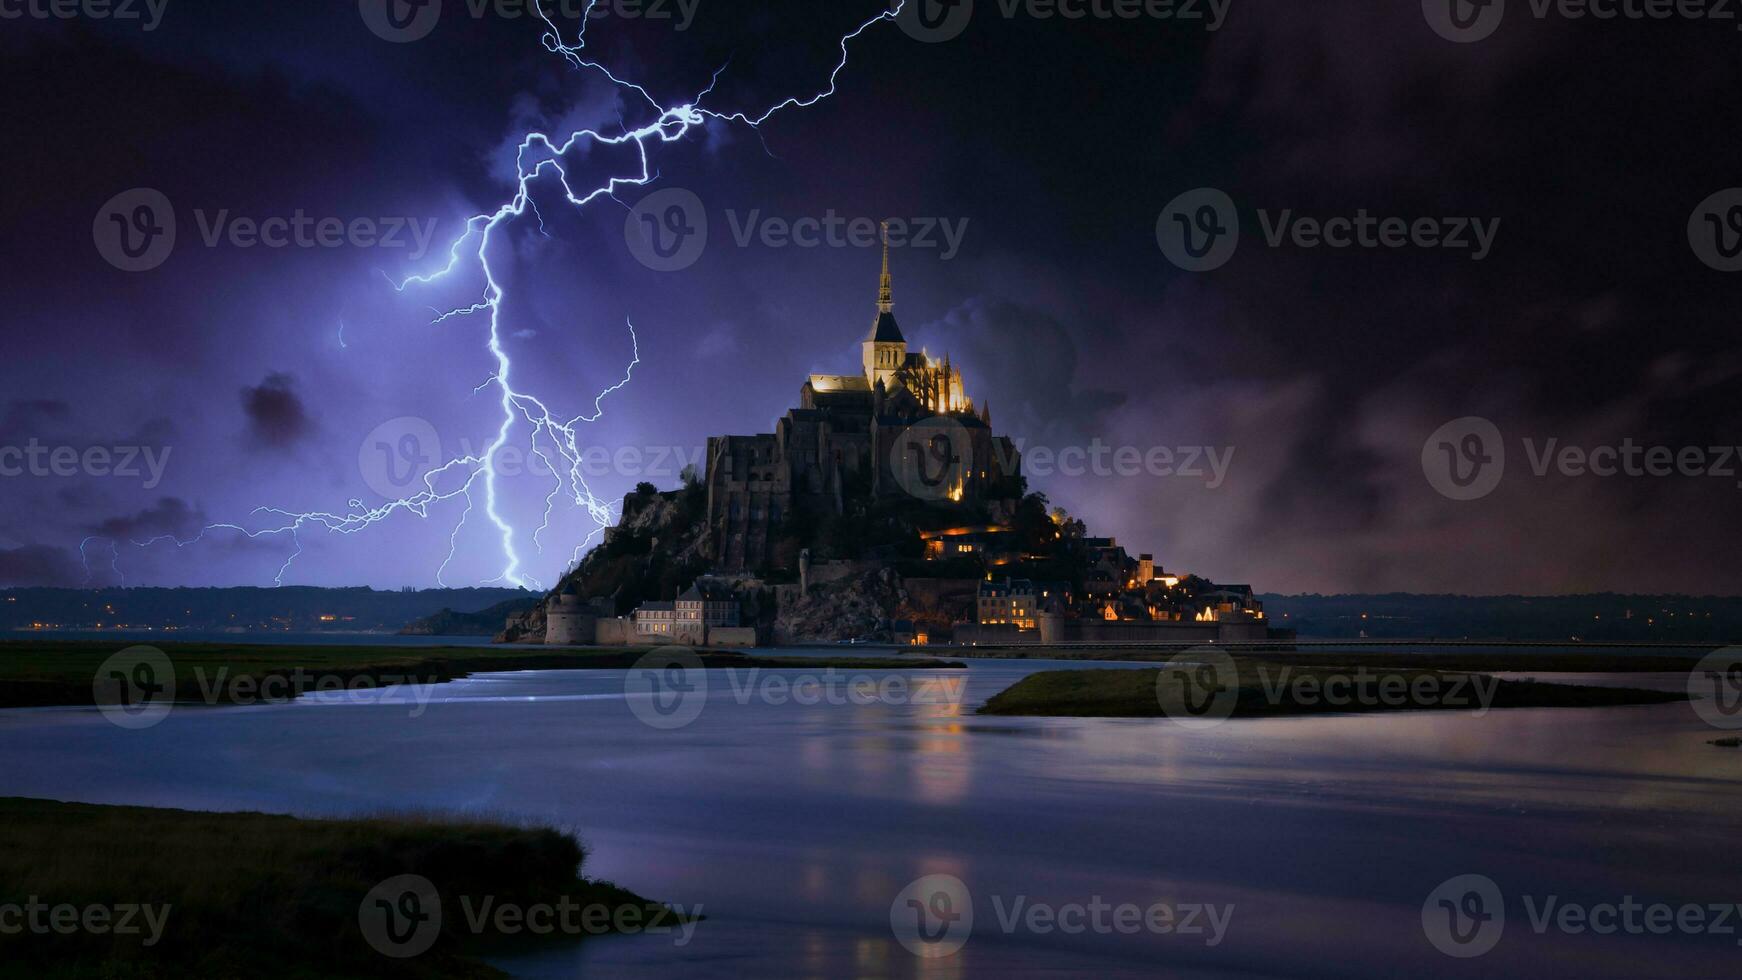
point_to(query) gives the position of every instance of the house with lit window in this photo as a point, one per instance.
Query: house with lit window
(1019, 602)
(656, 621)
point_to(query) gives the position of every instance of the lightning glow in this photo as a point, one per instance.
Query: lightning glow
(553, 439)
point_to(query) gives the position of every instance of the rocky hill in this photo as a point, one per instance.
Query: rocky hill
(484, 622)
(656, 550)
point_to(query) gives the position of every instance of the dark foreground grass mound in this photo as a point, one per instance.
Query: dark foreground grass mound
(252, 894)
(1274, 690)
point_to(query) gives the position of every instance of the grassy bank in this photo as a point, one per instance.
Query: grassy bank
(1267, 689)
(249, 893)
(39, 674)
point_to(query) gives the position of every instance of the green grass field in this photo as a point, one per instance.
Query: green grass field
(45, 673)
(252, 894)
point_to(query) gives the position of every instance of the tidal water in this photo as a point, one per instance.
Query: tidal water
(796, 826)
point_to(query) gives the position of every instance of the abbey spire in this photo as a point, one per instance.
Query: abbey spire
(885, 350)
(886, 289)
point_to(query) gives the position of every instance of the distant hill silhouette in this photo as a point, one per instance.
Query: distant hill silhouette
(1599, 617)
(291, 608)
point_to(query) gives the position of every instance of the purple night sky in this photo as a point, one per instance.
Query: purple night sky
(1057, 142)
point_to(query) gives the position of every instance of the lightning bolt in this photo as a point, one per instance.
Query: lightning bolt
(553, 439)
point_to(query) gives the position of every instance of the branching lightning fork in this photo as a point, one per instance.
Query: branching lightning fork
(538, 156)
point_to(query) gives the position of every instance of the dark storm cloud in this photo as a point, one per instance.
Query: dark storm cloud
(276, 416)
(169, 517)
(1583, 324)
(1025, 362)
(28, 417)
(43, 565)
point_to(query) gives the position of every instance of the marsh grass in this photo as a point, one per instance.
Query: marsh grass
(1261, 691)
(254, 893)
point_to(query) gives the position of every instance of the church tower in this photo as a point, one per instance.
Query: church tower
(885, 349)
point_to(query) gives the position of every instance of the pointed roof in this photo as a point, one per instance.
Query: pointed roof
(885, 330)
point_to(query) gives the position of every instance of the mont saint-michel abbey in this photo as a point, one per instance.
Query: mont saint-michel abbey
(903, 426)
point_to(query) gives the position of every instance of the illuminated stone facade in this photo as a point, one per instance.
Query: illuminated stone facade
(858, 436)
